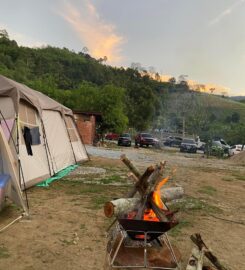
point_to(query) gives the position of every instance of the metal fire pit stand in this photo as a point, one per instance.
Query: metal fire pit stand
(123, 235)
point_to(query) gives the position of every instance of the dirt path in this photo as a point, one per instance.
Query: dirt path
(67, 225)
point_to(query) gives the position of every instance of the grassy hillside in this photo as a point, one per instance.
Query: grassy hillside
(206, 115)
(224, 107)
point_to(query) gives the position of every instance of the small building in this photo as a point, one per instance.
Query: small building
(87, 125)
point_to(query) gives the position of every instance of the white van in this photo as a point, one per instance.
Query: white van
(236, 149)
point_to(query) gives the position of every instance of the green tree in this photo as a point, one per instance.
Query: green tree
(235, 117)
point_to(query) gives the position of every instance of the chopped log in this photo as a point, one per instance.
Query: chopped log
(196, 259)
(141, 182)
(143, 179)
(132, 177)
(130, 165)
(170, 194)
(126, 205)
(120, 206)
(155, 178)
(197, 240)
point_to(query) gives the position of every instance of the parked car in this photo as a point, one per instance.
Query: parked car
(226, 147)
(218, 147)
(173, 141)
(112, 136)
(188, 145)
(236, 149)
(124, 140)
(146, 139)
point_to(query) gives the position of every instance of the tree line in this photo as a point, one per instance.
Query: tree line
(133, 97)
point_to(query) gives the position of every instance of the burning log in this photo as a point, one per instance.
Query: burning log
(197, 240)
(173, 193)
(141, 183)
(124, 205)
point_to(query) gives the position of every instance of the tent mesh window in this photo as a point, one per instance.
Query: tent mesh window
(71, 129)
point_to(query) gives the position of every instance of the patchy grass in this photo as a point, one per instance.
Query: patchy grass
(177, 230)
(91, 189)
(111, 179)
(66, 242)
(191, 204)
(239, 176)
(84, 189)
(206, 169)
(228, 179)
(4, 253)
(209, 190)
(98, 202)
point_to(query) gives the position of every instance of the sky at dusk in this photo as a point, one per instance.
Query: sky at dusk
(204, 39)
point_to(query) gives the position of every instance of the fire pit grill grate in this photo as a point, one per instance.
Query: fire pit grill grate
(135, 228)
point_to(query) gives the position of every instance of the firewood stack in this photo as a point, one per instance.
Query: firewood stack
(140, 197)
(142, 220)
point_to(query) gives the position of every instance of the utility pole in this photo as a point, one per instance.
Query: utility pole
(183, 127)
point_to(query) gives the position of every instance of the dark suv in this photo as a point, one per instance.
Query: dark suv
(188, 145)
(173, 141)
(145, 139)
(124, 140)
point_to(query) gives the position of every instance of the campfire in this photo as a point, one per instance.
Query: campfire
(138, 236)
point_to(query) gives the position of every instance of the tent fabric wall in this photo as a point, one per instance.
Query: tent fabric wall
(7, 107)
(35, 167)
(78, 147)
(58, 140)
(60, 143)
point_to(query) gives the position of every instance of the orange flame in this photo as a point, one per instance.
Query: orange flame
(149, 214)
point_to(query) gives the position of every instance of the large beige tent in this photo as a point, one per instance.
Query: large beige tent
(41, 133)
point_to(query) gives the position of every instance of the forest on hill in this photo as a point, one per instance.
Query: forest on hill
(126, 97)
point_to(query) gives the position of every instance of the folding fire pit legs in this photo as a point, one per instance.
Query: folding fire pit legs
(146, 238)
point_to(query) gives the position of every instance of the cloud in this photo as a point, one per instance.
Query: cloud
(226, 12)
(97, 35)
(22, 39)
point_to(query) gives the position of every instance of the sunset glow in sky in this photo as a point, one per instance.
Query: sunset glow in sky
(204, 39)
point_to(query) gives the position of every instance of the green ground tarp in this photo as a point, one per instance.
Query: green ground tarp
(57, 176)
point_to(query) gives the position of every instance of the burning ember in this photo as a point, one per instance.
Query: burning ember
(149, 214)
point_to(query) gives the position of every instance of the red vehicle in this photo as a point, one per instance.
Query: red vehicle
(112, 136)
(146, 139)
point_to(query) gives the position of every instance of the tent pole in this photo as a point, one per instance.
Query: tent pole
(47, 149)
(21, 173)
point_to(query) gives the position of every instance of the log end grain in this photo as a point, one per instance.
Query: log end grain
(109, 209)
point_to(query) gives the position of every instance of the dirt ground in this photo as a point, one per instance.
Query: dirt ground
(67, 227)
